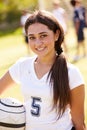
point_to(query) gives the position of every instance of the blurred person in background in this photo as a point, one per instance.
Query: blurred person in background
(80, 21)
(61, 16)
(24, 16)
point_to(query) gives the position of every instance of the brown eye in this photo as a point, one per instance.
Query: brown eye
(31, 38)
(43, 36)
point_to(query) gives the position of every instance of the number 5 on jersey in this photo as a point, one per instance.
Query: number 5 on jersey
(36, 108)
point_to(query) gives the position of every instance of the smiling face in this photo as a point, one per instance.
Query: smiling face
(41, 39)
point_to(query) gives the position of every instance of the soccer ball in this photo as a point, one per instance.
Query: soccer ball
(12, 114)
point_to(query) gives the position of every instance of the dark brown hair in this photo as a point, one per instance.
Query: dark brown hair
(73, 2)
(59, 72)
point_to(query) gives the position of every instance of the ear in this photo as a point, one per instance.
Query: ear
(57, 35)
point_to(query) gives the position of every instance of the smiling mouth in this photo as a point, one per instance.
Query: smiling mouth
(40, 49)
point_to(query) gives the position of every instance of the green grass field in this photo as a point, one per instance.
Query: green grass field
(12, 47)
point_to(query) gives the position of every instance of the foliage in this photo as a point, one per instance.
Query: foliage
(10, 10)
(10, 13)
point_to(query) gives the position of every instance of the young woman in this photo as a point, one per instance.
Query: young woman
(53, 89)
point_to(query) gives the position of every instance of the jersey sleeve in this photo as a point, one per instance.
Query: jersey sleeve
(14, 71)
(75, 77)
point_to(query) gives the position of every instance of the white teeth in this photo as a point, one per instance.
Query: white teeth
(40, 49)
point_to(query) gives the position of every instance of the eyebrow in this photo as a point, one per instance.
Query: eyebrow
(38, 33)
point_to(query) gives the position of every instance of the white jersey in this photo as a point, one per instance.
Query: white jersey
(38, 96)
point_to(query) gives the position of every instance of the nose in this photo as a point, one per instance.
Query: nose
(38, 41)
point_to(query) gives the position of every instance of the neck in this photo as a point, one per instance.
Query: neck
(46, 61)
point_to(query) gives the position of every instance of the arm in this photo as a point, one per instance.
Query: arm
(5, 82)
(77, 107)
(86, 17)
(77, 24)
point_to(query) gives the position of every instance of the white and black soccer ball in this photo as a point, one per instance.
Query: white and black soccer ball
(12, 114)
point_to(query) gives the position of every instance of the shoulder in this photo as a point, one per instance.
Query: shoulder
(21, 67)
(61, 10)
(72, 69)
(75, 76)
(83, 7)
(24, 60)
(23, 63)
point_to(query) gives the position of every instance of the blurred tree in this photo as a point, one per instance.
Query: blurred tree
(10, 10)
